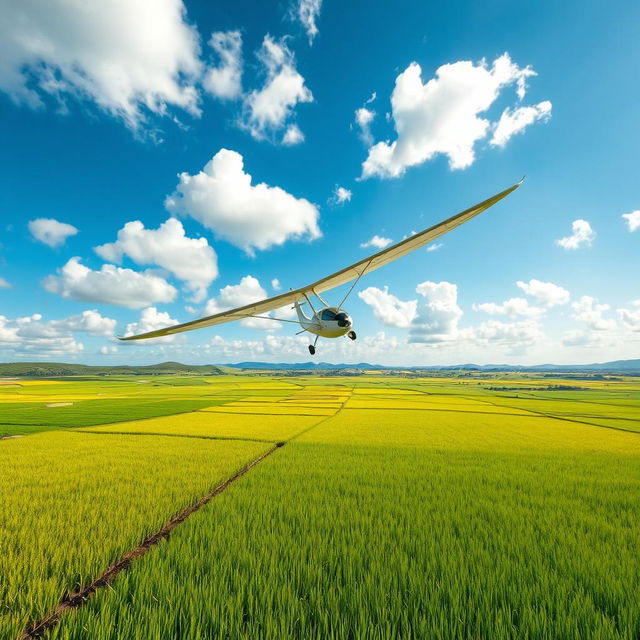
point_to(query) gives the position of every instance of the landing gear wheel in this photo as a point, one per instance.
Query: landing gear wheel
(352, 335)
(312, 350)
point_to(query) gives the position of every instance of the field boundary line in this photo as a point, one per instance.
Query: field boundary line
(169, 435)
(542, 414)
(78, 598)
(538, 414)
(255, 413)
(317, 424)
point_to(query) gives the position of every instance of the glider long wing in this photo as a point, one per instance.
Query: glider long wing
(348, 274)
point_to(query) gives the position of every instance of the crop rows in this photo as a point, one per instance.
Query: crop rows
(423, 508)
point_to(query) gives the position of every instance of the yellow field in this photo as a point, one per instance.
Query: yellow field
(367, 450)
(442, 431)
(272, 427)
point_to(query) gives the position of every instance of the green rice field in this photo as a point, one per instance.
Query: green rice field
(396, 507)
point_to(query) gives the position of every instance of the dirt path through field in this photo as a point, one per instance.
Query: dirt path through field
(78, 598)
(75, 600)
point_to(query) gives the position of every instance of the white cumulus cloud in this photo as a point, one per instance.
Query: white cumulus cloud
(31, 335)
(589, 311)
(292, 136)
(388, 309)
(631, 317)
(340, 195)
(129, 58)
(275, 284)
(547, 294)
(248, 290)
(51, 232)
(517, 336)
(151, 320)
(110, 285)
(189, 259)
(633, 220)
(378, 242)
(222, 198)
(513, 307)
(514, 121)
(443, 115)
(364, 118)
(268, 109)
(581, 235)
(225, 80)
(437, 320)
(4, 284)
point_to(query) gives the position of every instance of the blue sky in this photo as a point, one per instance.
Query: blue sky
(112, 114)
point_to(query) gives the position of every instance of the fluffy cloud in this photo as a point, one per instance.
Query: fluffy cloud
(364, 118)
(434, 246)
(33, 335)
(547, 294)
(223, 199)
(307, 11)
(108, 350)
(631, 317)
(378, 242)
(150, 320)
(340, 196)
(248, 290)
(189, 259)
(588, 310)
(225, 80)
(581, 235)
(633, 220)
(267, 110)
(129, 58)
(388, 309)
(111, 285)
(275, 284)
(5, 285)
(292, 136)
(443, 115)
(513, 307)
(517, 120)
(437, 320)
(50, 231)
(517, 336)
(8, 334)
(90, 322)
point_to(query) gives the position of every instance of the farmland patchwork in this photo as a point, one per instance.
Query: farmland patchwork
(399, 507)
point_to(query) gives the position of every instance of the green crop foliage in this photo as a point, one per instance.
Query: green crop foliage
(72, 503)
(478, 507)
(25, 418)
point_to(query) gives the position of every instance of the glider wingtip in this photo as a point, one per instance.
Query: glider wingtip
(521, 181)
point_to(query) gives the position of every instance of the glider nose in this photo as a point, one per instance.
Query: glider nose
(343, 320)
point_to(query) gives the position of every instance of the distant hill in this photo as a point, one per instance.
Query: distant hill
(59, 369)
(617, 366)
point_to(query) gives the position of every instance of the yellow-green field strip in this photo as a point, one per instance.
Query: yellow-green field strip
(166, 435)
(76, 599)
(70, 601)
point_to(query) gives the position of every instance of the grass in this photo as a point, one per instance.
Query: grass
(353, 541)
(26, 418)
(402, 508)
(71, 504)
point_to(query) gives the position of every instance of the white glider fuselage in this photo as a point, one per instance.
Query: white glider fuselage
(328, 322)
